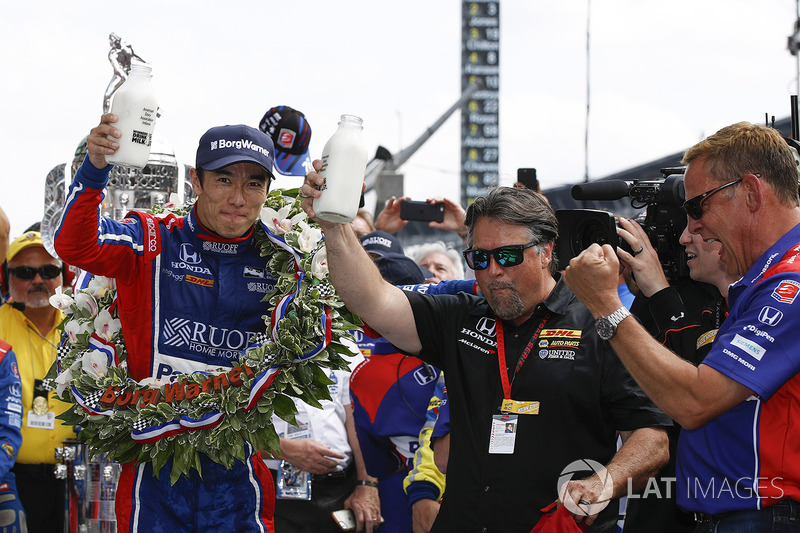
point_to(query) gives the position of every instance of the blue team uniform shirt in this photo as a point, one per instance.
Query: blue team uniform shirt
(748, 458)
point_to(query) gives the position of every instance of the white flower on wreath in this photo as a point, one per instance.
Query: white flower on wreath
(105, 325)
(153, 383)
(87, 302)
(309, 238)
(64, 378)
(98, 286)
(62, 301)
(276, 221)
(73, 328)
(95, 363)
(319, 264)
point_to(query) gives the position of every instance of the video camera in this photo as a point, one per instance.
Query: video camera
(662, 219)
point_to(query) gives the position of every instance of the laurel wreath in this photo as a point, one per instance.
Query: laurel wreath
(295, 255)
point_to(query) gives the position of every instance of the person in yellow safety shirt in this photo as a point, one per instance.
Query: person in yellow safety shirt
(28, 322)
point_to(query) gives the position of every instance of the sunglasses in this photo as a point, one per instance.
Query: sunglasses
(26, 273)
(505, 256)
(694, 206)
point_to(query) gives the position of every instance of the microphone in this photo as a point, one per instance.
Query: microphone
(601, 190)
(19, 306)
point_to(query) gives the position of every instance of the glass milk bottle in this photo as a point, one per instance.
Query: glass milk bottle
(135, 106)
(344, 162)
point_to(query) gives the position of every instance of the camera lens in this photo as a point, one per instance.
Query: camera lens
(589, 232)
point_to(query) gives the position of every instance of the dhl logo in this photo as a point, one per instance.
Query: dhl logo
(568, 333)
(200, 281)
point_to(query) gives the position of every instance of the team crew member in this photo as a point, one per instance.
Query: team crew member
(189, 292)
(738, 466)
(12, 515)
(28, 322)
(526, 353)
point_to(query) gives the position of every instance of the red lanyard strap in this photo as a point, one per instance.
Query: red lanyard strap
(501, 353)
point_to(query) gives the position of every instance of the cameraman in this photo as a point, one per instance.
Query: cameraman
(688, 330)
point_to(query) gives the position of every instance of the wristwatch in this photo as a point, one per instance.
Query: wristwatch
(606, 326)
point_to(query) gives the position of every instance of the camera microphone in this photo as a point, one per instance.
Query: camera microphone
(601, 190)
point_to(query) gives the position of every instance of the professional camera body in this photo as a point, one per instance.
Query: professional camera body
(663, 219)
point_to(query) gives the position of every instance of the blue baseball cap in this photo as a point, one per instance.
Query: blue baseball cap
(226, 145)
(291, 134)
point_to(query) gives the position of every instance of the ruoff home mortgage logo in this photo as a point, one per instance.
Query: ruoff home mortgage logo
(582, 469)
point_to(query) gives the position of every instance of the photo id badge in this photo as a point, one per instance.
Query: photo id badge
(39, 416)
(503, 433)
(293, 483)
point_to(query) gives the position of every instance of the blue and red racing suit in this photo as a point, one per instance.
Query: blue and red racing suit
(189, 300)
(10, 438)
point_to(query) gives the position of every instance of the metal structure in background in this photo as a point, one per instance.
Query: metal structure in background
(128, 189)
(480, 126)
(382, 174)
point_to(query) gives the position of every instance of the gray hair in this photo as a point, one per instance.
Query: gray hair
(418, 253)
(522, 207)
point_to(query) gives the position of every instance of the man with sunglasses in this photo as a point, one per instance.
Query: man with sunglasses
(28, 323)
(738, 465)
(526, 353)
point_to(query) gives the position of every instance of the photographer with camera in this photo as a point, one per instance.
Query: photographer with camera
(737, 462)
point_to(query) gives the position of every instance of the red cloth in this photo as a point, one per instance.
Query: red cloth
(558, 521)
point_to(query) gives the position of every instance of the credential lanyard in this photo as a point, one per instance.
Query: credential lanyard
(501, 354)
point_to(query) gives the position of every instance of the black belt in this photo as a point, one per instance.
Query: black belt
(333, 477)
(705, 518)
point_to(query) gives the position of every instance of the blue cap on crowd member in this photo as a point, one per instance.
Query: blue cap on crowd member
(379, 243)
(291, 134)
(226, 145)
(394, 265)
(399, 269)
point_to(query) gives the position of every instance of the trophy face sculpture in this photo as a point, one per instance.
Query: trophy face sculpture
(120, 57)
(128, 189)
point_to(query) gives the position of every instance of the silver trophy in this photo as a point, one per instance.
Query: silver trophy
(120, 56)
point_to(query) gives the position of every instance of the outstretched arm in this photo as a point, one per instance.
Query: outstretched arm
(357, 280)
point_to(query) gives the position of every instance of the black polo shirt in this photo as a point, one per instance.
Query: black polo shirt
(585, 396)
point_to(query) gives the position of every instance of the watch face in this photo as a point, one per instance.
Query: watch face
(605, 329)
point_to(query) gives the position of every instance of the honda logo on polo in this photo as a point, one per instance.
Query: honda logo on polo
(486, 326)
(188, 254)
(769, 316)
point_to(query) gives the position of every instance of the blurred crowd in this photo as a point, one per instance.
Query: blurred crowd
(493, 388)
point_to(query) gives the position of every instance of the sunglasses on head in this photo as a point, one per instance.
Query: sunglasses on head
(506, 256)
(26, 273)
(694, 206)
